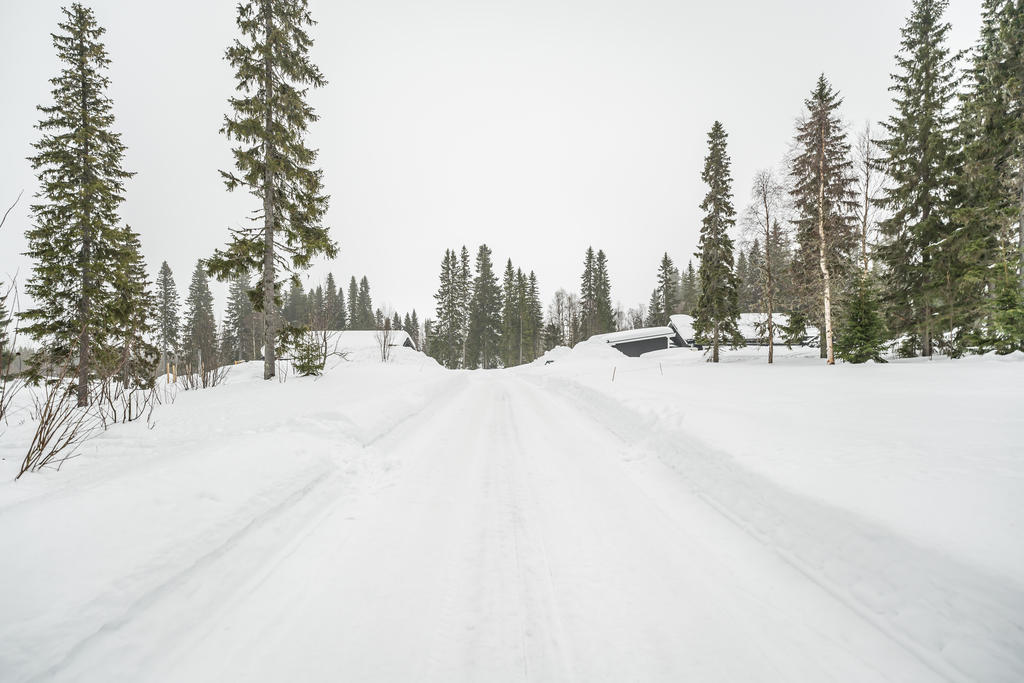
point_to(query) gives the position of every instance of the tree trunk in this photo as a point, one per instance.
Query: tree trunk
(85, 255)
(826, 281)
(768, 275)
(269, 319)
(865, 219)
(714, 352)
(926, 334)
(1020, 226)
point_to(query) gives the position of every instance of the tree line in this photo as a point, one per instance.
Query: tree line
(911, 237)
(189, 336)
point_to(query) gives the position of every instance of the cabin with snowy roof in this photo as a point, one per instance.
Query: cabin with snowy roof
(639, 341)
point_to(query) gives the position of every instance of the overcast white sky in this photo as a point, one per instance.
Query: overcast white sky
(536, 126)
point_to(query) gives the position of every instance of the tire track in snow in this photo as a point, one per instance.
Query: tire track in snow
(301, 508)
(962, 624)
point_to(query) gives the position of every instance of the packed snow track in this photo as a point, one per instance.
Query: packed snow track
(498, 530)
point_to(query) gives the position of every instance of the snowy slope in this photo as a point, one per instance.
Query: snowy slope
(401, 522)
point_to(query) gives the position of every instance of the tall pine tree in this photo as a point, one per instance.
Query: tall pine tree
(919, 157)
(485, 323)
(200, 334)
(446, 341)
(168, 324)
(668, 290)
(269, 122)
(76, 242)
(535, 314)
(132, 357)
(988, 241)
(588, 295)
(717, 310)
(604, 315)
(353, 304)
(334, 304)
(509, 316)
(240, 340)
(365, 315)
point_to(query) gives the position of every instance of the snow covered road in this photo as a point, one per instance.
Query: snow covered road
(500, 553)
(497, 531)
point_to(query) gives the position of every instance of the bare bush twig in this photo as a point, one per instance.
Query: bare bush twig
(62, 426)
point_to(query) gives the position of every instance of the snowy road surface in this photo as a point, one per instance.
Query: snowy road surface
(496, 532)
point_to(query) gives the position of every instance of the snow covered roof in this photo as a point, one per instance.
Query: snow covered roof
(748, 325)
(638, 334)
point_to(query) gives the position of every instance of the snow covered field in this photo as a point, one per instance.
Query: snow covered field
(401, 522)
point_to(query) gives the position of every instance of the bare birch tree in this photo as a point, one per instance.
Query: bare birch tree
(762, 222)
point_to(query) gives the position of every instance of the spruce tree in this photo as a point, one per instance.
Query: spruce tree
(295, 309)
(668, 288)
(317, 311)
(414, 330)
(920, 160)
(353, 304)
(428, 347)
(168, 324)
(483, 346)
(655, 309)
(604, 315)
(239, 338)
(522, 312)
(364, 307)
(688, 290)
(717, 310)
(75, 240)
(588, 295)
(742, 279)
(334, 305)
(132, 356)
(988, 240)
(446, 335)
(509, 316)
(269, 121)
(200, 334)
(464, 286)
(535, 314)
(824, 198)
(861, 330)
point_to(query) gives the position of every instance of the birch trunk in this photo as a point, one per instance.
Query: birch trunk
(865, 219)
(768, 275)
(823, 260)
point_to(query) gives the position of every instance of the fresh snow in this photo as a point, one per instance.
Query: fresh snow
(596, 518)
